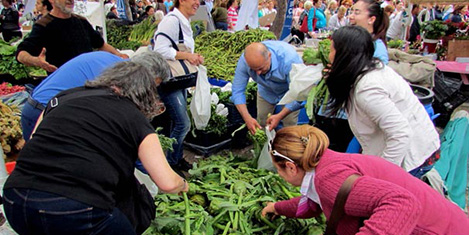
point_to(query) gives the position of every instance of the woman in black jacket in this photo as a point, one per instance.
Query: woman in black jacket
(9, 21)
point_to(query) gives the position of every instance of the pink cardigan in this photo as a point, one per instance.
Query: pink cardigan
(392, 200)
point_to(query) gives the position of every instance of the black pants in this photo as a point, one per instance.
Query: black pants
(10, 34)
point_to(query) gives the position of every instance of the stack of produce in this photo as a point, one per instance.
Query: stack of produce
(8, 63)
(7, 88)
(222, 49)
(11, 134)
(143, 32)
(118, 36)
(226, 197)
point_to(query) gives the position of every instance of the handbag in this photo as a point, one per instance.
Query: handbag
(304, 23)
(183, 73)
(338, 209)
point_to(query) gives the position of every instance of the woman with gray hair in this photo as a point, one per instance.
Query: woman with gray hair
(80, 160)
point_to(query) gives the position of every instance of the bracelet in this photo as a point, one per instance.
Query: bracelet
(184, 183)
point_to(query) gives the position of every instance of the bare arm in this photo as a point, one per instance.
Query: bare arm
(251, 122)
(40, 61)
(154, 161)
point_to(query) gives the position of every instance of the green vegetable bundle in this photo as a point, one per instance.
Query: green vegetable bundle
(165, 142)
(395, 44)
(226, 197)
(319, 95)
(222, 49)
(217, 124)
(143, 32)
(8, 63)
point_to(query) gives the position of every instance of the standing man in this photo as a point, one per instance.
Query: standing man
(268, 63)
(74, 73)
(60, 36)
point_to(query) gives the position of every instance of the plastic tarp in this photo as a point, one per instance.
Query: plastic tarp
(453, 165)
(302, 79)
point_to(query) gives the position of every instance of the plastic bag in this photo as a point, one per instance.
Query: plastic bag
(265, 160)
(201, 101)
(302, 79)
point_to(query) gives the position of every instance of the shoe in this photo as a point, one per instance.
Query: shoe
(184, 165)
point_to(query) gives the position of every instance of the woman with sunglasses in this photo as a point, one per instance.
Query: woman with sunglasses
(384, 199)
(369, 15)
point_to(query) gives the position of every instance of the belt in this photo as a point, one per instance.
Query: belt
(35, 104)
(432, 159)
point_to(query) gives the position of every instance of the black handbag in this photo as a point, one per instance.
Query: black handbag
(183, 73)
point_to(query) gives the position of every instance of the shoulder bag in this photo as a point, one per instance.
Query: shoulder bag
(183, 73)
(338, 210)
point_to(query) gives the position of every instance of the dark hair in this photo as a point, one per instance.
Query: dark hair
(350, 63)
(47, 4)
(230, 2)
(177, 3)
(147, 8)
(457, 9)
(20, 6)
(10, 2)
(381, 24)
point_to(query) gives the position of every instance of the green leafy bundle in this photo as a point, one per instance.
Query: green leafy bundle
(8, 63)
(311, 56)
(165, 142)
(217, 124)
(143, 32)
(226, 197)
(395, 44)
(118, 36)
(222, 49)
(223, 96)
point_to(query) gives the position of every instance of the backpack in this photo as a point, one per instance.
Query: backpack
(304, 23)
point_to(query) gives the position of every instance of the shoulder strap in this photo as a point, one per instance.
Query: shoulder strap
(63, 97)
(181, 35)
(338, 209)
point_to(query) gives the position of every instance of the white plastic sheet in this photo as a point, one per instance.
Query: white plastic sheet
(265, 160)
(302, 79)
(201, 101)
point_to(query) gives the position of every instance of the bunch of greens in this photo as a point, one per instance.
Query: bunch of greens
(8, 63)
(251, 92)
(434, 29)
(217, 124)
(223, 96)
(222, 49)
(319, 94)
(165, 142)
(258, 140)
(143, 32)
(311, 56)
(118, 36)
(198, 27)
(226, 196)
(395, 44)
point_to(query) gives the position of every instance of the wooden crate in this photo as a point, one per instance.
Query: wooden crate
(457, 48)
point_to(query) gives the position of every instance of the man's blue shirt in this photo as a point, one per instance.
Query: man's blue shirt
(74, 73)
(273, 85)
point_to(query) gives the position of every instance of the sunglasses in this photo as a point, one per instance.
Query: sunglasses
(277, 154)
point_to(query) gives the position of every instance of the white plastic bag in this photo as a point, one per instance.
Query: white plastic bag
(265, 160)
(302, 79)
(200, 105)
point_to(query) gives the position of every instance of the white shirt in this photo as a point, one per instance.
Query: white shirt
(170, 26)
(396, 27)
(389, 121)
(335, 23)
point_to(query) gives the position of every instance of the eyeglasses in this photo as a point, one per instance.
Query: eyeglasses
(277, 154)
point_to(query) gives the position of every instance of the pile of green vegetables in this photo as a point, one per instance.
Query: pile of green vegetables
(9, 65)
(165, 142)
(319, 94)
(118, 36)
(143, 32)
(217, 124)
(222, 49)
(226, 196)
(395, 44)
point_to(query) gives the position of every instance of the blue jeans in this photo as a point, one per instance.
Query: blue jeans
(176, 106)
(221, 25)
(420, 171)
(36, 212)
(29, 116)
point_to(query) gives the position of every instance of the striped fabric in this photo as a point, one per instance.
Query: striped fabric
(308, 191)
(232, 17)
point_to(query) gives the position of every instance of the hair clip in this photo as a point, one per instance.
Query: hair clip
(304, 140)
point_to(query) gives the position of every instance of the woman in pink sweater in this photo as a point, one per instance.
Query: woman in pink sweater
(388, 199)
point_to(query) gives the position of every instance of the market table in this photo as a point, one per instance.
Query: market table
(455, 67)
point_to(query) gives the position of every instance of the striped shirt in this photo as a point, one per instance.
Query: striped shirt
(232, 17)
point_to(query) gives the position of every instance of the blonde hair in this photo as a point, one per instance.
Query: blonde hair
(303, 144)
(308, 4)
(342, 9)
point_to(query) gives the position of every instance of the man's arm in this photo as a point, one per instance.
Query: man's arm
(111, 49)
(40, 61)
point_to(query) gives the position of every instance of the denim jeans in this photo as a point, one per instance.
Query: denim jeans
(420, 171)
(176, 106)
(29, 116)
(36, 212)
(221, 25)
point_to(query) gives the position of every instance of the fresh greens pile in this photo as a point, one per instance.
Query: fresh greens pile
(395, 44)
(198, 27)
(226, 197)
(319, 94)
(222, 49)
(165, 142)
(118, 36)
(217, 124)
(311, 56)
(143, 32)
(223, 96)
(8, 63)
(258, 140)
(251, 92)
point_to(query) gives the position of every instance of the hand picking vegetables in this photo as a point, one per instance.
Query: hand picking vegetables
(226, 197)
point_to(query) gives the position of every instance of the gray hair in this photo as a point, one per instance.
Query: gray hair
(264, 51)
(155, 63)
(134, 81)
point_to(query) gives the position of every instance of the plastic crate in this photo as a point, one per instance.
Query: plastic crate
(234, 117)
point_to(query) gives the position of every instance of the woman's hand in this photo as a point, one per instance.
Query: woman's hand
(270, 208)
(195, 59)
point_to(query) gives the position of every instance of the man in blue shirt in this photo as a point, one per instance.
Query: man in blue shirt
(72, 74)
(268, 63)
